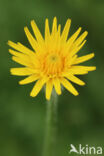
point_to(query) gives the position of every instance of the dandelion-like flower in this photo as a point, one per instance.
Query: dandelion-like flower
(53, 61)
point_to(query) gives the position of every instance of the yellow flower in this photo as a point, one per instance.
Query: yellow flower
(53, 61)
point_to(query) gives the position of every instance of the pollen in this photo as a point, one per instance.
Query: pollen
(53, 60)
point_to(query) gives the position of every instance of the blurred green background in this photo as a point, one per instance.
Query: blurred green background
(22, 118)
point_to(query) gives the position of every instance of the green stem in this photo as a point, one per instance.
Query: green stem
(51, 119)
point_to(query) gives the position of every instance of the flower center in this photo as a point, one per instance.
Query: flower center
(53, 58)
(53, 64)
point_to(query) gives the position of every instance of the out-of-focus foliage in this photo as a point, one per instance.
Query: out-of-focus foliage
(22, 118)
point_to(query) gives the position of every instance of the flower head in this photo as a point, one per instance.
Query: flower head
(53, 61)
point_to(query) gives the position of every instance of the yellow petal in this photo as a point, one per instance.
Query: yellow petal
(38, 86)
(75, 79)
(59, 30)
(37, 32)
(72, 59)
(76, 49)
(86, 68)
(13, 45)
(31, 39)
(54, 27)
(21, 71)
(73, 37)
(57, 85)
(30, 61)
(58, 38)
(81, 38)
(76, 71)
(83, 58)
(66, 31)
(55, 40)
(25, 50)
(49, 87)
(29, 79)
(69, 86)
(21, 58)
(21, 48)
(20, 55)
(47, 31)
(21, 61)
(15, 53)
(80, 70)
